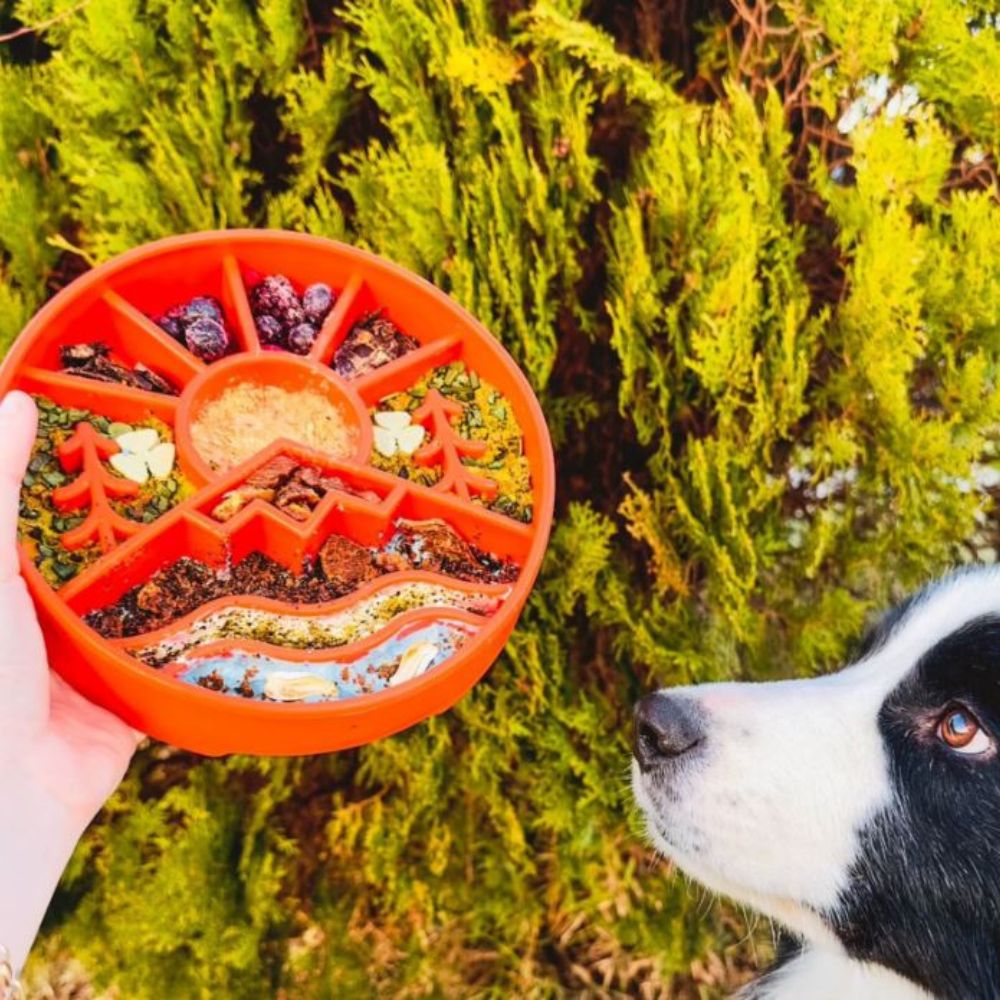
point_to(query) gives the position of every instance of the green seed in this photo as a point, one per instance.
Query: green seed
(117, 429)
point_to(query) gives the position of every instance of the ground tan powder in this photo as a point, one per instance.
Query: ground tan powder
(247, 417)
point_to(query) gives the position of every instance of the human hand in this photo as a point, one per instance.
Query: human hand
(60, 755)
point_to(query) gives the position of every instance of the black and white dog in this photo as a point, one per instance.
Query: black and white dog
(861, 810)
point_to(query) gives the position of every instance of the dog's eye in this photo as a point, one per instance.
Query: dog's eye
(961, 731)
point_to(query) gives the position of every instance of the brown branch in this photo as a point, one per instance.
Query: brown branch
(33, 29)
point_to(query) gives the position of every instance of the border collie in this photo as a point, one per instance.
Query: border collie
(860, 810)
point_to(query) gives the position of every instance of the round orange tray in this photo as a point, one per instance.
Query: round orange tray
(113, 304)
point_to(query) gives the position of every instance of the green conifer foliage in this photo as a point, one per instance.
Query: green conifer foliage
(765, 328)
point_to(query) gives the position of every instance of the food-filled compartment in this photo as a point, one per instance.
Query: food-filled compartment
(240, 407)
(195, 299)
(449, 427)
(388, 659)
(295, 315)
(96, 477)
(104, 342)
(139, 559)
(459, 538)
(297, 300)
(300, 484)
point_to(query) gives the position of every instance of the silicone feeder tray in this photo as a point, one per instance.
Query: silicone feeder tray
(113, 304)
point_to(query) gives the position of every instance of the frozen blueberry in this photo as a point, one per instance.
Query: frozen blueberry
(207, 339)
(301, 338)
(270, 329)
(204, 305)
(317, 301)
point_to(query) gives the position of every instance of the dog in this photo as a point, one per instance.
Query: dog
(860, 810)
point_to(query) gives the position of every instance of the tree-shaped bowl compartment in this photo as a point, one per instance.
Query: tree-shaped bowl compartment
(286, 496)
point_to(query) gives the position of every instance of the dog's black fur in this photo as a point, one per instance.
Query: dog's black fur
(924, 897)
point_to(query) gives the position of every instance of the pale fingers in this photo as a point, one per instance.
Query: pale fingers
(18, 425)
(24, 672)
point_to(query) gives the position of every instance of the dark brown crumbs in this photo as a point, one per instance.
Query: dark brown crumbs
(245, 688)
(212, 681)
(182, 587)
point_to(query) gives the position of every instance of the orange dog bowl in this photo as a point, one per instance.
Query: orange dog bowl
(116, 304)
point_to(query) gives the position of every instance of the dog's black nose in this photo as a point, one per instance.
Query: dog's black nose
(665, 728)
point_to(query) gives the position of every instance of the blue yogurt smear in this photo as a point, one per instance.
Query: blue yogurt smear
(245, 673)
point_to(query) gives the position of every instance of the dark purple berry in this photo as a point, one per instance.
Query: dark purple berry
(301, 338)
(274, 295)
(270, 329)
(317, 301)
(207, 339)
(172, 325)
(203, 305)
(291, 315)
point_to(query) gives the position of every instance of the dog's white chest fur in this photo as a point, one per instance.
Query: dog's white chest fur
(818, 974)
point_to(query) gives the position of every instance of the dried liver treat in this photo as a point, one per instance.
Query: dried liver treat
(94, 361)
(436, 547)
(372, 342)
(295, 489)
(261, 485)
(347, 565)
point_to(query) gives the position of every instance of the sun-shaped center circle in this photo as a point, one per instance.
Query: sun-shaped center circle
(243, 404)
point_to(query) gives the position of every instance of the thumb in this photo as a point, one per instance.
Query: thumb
(23, 666)
(18, 426)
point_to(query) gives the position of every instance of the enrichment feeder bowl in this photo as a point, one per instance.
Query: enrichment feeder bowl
(286, 497)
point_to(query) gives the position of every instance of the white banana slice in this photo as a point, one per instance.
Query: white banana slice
(409, 439)
(385, 441)
(130, 466)
(414, 662)
(283, 685)
(136, 442)
(161, 460)
(393, 420)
